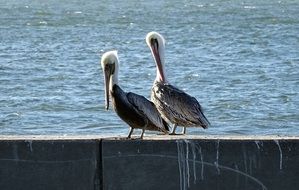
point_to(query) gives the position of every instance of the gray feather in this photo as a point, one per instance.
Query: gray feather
(177, 106)
(148, 109)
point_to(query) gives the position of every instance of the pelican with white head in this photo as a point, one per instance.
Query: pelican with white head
(174, 105)
(135, 110)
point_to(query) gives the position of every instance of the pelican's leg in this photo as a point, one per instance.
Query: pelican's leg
(184, 131)
(130, 133)
(173, 130)
(143, 130)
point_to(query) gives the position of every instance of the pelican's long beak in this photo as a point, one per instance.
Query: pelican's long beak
(155, 49)
(107, 75)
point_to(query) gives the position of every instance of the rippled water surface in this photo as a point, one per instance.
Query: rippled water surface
(240, 59)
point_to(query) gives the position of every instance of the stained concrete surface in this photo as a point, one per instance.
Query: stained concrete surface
(49, 164)
(201, 164)
(159, 162)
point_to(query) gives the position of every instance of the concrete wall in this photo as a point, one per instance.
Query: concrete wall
(49, 164)
(154, 163)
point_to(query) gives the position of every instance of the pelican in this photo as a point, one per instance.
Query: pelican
(135, 110)
(174, 105)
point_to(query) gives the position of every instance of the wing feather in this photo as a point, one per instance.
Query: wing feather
(148, 109)
(181, 104)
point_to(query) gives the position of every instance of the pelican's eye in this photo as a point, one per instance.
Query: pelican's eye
(110, 67)
(107, 67)
(152, 41)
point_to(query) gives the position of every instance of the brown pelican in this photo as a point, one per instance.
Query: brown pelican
(174, 105)
(135, 110)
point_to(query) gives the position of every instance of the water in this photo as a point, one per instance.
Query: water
(240, 59)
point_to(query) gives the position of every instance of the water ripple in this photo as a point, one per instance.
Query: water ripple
(239, 59)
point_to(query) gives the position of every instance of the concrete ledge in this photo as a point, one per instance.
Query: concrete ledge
(49, 164)
(158, 162)
(146, 137)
